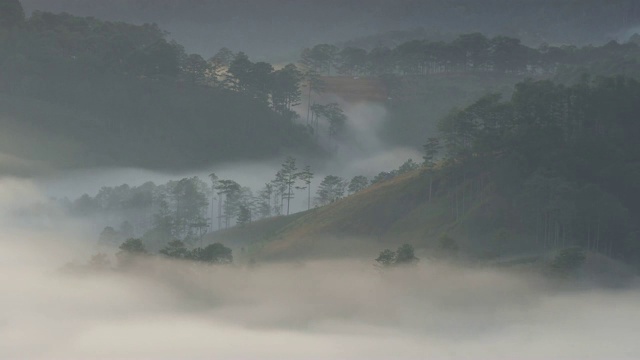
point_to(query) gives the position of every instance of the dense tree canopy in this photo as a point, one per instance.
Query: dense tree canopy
(566, 156)
(471, 53)
(403, 256)
(126, 95)
(11, 14)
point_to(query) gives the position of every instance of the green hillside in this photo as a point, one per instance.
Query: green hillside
(385, 215)
(552, 167)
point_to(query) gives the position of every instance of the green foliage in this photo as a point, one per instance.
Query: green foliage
(175, 249)
(386, 258)
(129, 97)
(358, 183)
(333, 114)
(11, 14)
(472, 53)
(285, 90)
(408, 166)
(306, 176)
(264, 200)
(244, 216)
(384, 176)
(194, 69)
(420, 91)
(190, 198)
(404, 255)
(133, 246)
(212, 254)
(130, 250)
(351, 61)
(288, 177)
(320, 58)
(231, 191)
(431, 150)
(564, 154)
(330, 190)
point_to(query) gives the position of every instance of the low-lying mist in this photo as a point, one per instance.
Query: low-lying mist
(341, 309)
(360, 151)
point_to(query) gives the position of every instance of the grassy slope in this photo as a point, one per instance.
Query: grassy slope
(384, 215)
(391, 213)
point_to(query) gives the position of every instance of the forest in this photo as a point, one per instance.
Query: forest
(129, 97)
(565, 157)
(472, 52)
(558, 146)
(112, 92)
(319, 179)
(554, 166)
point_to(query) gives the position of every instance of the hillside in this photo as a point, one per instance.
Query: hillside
(418, 103)
(554, 166)
(82, 92)
(384, 215)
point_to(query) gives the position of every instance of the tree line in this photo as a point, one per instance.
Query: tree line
(118, 90)
(563, 159)
(472, 52)
(132, 250)
(189, 208)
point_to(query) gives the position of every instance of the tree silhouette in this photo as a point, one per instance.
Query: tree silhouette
(306, 176)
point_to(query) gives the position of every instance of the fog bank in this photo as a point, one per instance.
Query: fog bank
(317, 310)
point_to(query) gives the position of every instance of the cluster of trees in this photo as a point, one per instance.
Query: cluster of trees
(187, 209)
(467, 53)
(403, 256)
(144, 52)
(564, 158)
(118, 90)
(11, 15)
(332, 113)
(215, 253)
(133, 249)
(176, 209)
(279, 88)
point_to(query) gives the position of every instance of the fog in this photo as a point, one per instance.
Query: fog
(360, 151)
(526, 237)
(343, 309)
